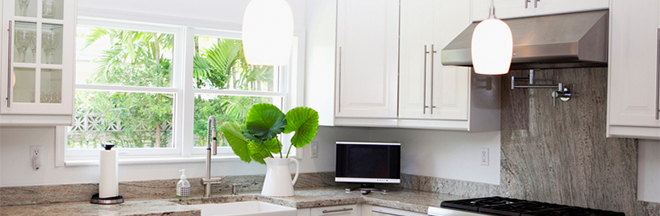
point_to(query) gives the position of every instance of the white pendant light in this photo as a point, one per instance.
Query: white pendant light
(492, 46)
(267, 32)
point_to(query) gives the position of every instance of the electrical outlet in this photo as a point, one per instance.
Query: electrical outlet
(484, 157)
(315, 149)
(35, 156)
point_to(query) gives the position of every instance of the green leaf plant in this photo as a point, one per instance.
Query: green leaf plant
(258, 137)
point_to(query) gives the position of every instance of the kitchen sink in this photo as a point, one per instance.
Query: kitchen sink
(250, 208)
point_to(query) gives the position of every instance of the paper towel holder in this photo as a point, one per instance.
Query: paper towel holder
(108, 146)
(106, 201)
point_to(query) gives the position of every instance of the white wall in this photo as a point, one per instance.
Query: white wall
(16, 167)
(453, 155)
(446, 154)
(648, 168)
(227, 14)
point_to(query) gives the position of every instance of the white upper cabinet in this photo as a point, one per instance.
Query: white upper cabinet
(431, 95)
(387, 70)
(430, 90)
(450, 85)
(634, 77)
(320, 59)
(366, 65)
(416, 42)
(38, 51)
(523, 8)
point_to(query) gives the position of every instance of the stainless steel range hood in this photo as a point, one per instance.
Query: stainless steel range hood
(553, 41)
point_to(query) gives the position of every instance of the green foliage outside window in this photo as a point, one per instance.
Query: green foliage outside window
(144, 120)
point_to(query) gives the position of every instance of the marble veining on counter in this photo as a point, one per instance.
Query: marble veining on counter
(409, 200)
(153, 189)
(135, 208)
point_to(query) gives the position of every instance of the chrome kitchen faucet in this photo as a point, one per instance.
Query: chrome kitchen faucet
(211, 137)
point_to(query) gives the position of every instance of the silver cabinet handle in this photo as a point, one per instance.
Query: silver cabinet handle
(337, 210)
(657, 82)
(386, 213)
(426, 52)
(9, 71)
(432, 61)
(536, 3)
(527, 3)
(339, 81)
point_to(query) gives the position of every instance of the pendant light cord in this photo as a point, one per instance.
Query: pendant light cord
(492, 10)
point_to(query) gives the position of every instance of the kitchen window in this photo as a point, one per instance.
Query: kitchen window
(149, 89)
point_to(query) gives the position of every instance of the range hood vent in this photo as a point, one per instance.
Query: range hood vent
(552, 41)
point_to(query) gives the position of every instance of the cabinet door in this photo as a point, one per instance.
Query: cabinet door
(38, 49)
(344, 210)
(321, 21)
(367, 48)
(503, 9)
(566, 6)
(303, 212)
(415, 58)
(449, 90)
(633, 69)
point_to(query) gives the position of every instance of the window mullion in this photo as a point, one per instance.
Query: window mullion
(186, 104)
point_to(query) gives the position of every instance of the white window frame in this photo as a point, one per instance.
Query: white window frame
(184, 91)
(280, 92)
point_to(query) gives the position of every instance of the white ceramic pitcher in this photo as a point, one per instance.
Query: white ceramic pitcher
(278, 179)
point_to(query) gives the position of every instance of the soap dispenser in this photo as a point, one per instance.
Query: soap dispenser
(183, 186)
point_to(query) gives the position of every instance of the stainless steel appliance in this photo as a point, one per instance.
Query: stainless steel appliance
(550, 41)
(509, 206)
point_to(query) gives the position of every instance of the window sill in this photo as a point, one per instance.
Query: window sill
(159, 160)
(75, 162)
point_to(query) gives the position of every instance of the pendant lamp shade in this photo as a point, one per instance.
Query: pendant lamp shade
(267, 32)
(492, 47)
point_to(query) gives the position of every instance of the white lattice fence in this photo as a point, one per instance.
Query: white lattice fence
(91, 128)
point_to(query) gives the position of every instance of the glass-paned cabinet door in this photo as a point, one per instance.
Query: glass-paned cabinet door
(38, 39)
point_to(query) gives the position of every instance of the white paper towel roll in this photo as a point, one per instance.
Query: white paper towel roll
(108, 186)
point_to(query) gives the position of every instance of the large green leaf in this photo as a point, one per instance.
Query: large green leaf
(274, 145)
(236, 140)
(305, 122)
(258, 153)
(264, 121)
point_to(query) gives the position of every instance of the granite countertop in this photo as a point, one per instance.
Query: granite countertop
(409, 200)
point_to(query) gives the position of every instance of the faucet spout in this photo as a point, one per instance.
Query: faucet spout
(212, 136)
(211, 140)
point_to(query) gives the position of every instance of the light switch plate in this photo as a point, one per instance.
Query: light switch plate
(314, 147)
(35, 156)
(484, 157)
